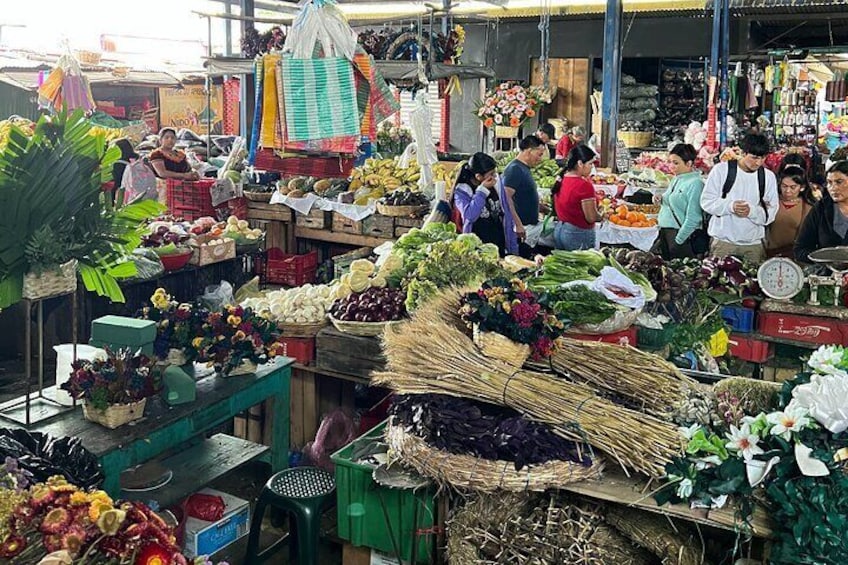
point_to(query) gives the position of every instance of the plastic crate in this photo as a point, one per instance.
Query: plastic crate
(650, 338)
(300, 349)
(341, 263)
(288, 269)
(741, 320)
(751, 350)
(190, 199)
(371, 515)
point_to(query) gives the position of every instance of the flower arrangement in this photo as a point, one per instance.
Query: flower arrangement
(510, 104)
(176, 325)
(509, 308)
(121, 378)
(794, 453)
(234, 336)
(393, 139)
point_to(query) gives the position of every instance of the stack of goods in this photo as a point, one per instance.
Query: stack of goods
(298, 187)
(378, 177)
(682, 102)
(638, 101)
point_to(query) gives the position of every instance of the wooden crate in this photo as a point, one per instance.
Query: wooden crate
(341, 263)
(379, 226)
(348, 354)
(315, 219)
(403, 225)
(342, 224)
(208, 254)
(266, 211)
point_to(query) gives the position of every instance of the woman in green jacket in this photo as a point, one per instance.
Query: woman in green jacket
(681, 218)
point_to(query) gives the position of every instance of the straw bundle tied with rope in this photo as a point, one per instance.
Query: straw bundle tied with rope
(426, 355)
(646, 382)
(674, 542)
(467, 471)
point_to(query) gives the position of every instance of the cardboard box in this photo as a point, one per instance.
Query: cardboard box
(208, 254)
(206, 538)
(809, 329)
(356, 555)
(119, 332)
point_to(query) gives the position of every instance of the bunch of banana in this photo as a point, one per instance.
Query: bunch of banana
(446, 173)
(110, 134)
(6, 128)
(383, 175)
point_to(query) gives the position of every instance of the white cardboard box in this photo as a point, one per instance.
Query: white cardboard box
(206, 538)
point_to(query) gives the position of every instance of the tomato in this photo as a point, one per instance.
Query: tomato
(750, 303)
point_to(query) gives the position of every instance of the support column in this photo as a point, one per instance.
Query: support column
(612, 81)
(712, 85)
(248, 85)
(725, 63)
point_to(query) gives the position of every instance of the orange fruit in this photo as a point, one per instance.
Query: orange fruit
(624, 223)
(632, 217)
(621, 211)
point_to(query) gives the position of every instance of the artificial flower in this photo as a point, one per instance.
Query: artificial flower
(498, 118)
(514, 122)
(97, 508)
(12, 546)
(689, 432)
(685, 488)
(41, 494)
(73, 540)
(823, 398)
(743, 442)
(792, 419)
(828, 360)
(61, 557)
(489, 122)
(153, 554)
(55, 521)
(110, 521)
(530, 112)
(78, 498)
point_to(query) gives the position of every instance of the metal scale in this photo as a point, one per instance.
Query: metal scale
(782, 279)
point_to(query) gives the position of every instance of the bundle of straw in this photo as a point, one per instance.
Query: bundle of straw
(429, 356)
(467, 471)
(644, 381)
(673, 542)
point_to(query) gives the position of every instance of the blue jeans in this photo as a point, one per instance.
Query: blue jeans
(571, 238)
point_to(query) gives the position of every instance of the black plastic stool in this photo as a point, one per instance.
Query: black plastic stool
(304, 493)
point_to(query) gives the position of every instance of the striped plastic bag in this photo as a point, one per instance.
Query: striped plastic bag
(320, 98)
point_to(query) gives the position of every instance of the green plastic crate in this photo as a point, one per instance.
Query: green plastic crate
(361, 516)
(650, 338)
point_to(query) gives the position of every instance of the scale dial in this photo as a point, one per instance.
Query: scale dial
(780, 278)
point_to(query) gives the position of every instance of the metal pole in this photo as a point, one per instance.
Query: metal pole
(228, 28)
(725, 62)
(209, 92)
(247, 91)
(612, 81)
(712, 87)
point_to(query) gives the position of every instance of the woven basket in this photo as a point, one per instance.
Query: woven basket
(506, 132)
(301, 330)
(88, 57)
(496, 346)
(401, 211)
(362, 329)
(258, 196)
(247, 367)
(51, 283)
(469, 472)
(115, 415)
(633, 139)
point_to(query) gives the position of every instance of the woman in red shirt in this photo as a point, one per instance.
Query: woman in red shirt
(574, 202)
(569, 141)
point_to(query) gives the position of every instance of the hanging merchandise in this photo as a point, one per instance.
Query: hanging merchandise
(66, 86)
(271, 132)
(421, 118)
(321, 21)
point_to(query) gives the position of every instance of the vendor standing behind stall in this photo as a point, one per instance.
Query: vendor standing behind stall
(742, 198)
(796, 201)
(547, 133)
(168, 162)
(567, 142)
(476, 200)
(521, 191)
(575, 204)
(827, 223)
(681, 218)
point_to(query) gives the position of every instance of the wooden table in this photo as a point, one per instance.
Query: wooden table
(183, 428)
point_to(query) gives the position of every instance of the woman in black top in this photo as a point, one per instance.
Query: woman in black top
(827, 223)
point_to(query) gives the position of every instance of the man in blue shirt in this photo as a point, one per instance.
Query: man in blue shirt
(521, 188)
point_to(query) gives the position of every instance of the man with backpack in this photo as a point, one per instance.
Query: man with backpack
(741, 196)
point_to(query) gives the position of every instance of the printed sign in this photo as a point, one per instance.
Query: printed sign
(186, 108)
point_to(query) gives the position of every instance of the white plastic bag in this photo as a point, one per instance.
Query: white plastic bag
(619, 289)
(421, 120)
(218, 296)
(541, 233)
(138, 182)
(320, 22)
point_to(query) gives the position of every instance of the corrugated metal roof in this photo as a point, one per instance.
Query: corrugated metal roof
(29, 79)
(800, 5)
(666, 7)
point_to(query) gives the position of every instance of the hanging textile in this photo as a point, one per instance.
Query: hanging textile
(66, 87)
(257, 111)
(231, 106)
(270, 106)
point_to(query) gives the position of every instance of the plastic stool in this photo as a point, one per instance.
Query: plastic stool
(304, 493)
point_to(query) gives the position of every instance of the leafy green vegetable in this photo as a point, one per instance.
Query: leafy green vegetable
(566, 266)
(582, 305)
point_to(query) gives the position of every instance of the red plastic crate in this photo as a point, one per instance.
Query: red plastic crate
(190, 199)
(322, 167)
(300, 349)
(624, 337)
(287, 269)
(751, 350)
(810, 329)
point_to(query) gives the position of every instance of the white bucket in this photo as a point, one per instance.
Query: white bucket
(64, 358)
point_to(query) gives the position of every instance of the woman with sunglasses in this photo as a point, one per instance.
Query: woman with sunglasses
(827, 223)
(796, 201)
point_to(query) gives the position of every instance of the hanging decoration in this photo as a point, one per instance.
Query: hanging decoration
(66, 85)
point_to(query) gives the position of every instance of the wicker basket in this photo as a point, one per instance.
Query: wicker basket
(258, 196)
(634, 139)
(247, 367)
(51, 283)
(496, 346)
(469, 472)
(88, 57)
(506, 132)
(301, 330)
(402, 211)
(115, 415)
(362, 329)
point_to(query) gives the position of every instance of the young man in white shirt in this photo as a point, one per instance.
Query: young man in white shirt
(741, 196)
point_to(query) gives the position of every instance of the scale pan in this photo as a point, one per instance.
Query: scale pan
(835, 257)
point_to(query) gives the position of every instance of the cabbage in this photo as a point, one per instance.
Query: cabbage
(490, 252)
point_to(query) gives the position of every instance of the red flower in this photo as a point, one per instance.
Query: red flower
(24, 513)
(40, 495)
(179, 559)
(12, 546)
(113, 546)
(246, 327)
(153, 554)
(56, 521)
(74, 539)
(524, 314)
(52, 542)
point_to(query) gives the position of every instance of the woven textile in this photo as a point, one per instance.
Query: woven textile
(270, 107)
(319, 98)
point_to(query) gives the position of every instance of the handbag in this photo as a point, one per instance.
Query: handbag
(699, 240)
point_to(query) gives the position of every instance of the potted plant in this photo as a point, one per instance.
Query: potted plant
(114, 390)
(177, 326)
(236, 340)
(511, 322)
(509, 105)
(61, 224)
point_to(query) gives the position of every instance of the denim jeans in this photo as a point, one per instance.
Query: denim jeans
(571, 238)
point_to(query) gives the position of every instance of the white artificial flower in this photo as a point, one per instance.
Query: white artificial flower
(743, 442)
(827, 359)
(685, 488)
(792, 419)
(689, 432)
(708, 462)
(824, 399)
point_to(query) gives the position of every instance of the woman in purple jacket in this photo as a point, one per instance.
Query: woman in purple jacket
(477, 200)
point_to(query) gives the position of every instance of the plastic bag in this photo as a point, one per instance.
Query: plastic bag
(541, 233)
(208, 507)
(148, 265)
(337, 430)
(139, 181)
(322, 23)
(824, 399)
(618, 288)
(250, 289)
(45, 456)
(218, 296)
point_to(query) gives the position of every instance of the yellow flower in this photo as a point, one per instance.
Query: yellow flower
(97, 508)
(79, 498)
(110, 521)
(160, 291)
(100, 495)
(233, 320)
(197, 342)
(238, 336)
(507, 307)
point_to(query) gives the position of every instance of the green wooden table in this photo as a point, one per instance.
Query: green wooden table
(184, 427)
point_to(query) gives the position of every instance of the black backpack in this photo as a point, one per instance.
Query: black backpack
(732, 169)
